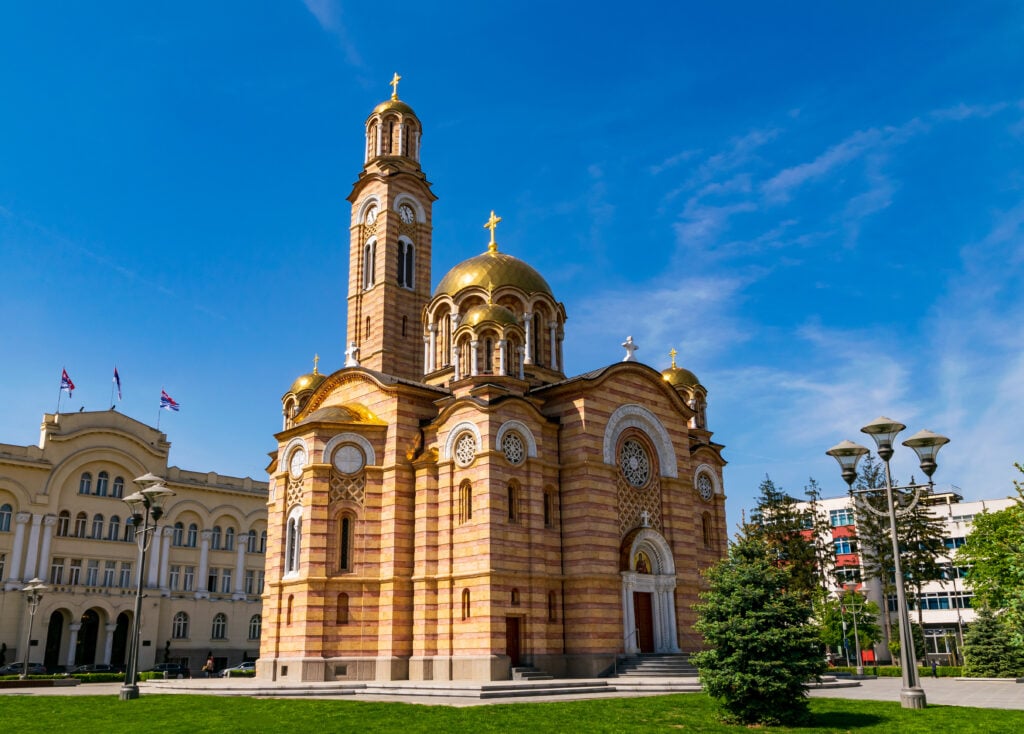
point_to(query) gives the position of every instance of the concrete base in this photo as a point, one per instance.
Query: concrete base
(912, 698)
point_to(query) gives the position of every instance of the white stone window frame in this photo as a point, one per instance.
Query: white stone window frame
(524, 433)
(403, 198)
(716, 482)
(292, 550)
(370, 201)
(638, 417)
(286, 454)
(369, 455)
(453, 435)
(405, 240)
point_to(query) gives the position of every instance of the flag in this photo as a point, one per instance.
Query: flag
(117, 381)
(65, 382)
(167, 402)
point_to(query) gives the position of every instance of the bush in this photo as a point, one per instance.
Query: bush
(99, 677)
(989, 651)
(892, 671)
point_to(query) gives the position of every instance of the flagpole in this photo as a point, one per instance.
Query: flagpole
(112, 388)
(158, 411)
(60, 389)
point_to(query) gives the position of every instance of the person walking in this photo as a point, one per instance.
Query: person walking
(208, 667)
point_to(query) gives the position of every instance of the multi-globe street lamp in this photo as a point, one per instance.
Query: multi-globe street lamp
(146, 506)
(853, 601)
(33, 591)
(926, 445)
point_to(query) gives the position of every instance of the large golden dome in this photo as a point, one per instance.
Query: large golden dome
(493, 270)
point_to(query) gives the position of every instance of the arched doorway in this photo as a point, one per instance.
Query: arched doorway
(85, 651)
(54, 635)
(119, 648)
(648, 593)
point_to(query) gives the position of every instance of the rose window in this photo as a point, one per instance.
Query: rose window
(513, 447)
(705, 487)
(634, 463)
(465, 449)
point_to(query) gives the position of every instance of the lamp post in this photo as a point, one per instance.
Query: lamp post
(33, 591)
(146, 504)
(926, 445)
(855, 603)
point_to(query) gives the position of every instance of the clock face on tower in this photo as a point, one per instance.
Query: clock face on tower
(371, 215)
(407, 214)
(297, 462)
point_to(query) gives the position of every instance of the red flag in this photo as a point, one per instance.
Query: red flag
(65, 382)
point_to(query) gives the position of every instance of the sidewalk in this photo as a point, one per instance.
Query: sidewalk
(937, 691)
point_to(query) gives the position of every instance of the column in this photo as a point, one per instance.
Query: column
(553, 328)
(49, 521)
(502, 343)
(432, 348)
(14, 576)
(455, 364)
(204, 565)
(108, 644)
(519, 363)
(32, 552)
(73, 628)
(239, 573)
(426, 355)
(473, 368)
(165, 561)
(528, 323)
(629, 640)
(154, 558)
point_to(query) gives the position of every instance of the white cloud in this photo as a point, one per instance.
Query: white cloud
(328, 15)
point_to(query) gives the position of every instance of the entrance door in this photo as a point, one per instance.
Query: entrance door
(644, 615)
(51, 657)
(87, 637)
(512, 639)
(120, 644)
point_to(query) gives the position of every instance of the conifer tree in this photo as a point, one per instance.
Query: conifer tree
(989, 650)
(786, 531)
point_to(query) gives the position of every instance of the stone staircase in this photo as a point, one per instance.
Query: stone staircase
(656, 665)
(528, 672)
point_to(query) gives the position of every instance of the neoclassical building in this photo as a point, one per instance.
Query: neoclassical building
(450, 503)
(62, 519)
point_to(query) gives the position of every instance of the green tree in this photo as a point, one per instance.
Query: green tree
(916, 634)
(834, 611)
(788, 533)
(989, 650)
(995, 550)
(761, 648)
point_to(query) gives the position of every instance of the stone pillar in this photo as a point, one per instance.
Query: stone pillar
(629, 641)
(520, 370)
(455, 364)
(528, 323)
(239, 573)
(432, 348)
(14, 575)
(426, 354)
(154, 559)
(73, 628)
(165, 561)
(32, 551)
(474, 368)
(502, 344)
(204, 565)
(108, 643)
(49, 521)
(553, 329)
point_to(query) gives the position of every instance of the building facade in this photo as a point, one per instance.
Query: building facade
(449, 504)
(943, 607)
(62, 519)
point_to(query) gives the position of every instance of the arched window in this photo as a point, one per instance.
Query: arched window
(369, 263)
(552, 606)
(219, 629)
(215, 538)
(250, 542)
(63, 522)
(406, 264)
(705, 527)
(514, 597)
(179, 627)
(341, 613)
(5, 518)
(85, 483)
(114, 530)
(97, 526)
(465, 502)
(118, 488)
(345, 543)
(513, 502)
(81, 520)
(193, 534)
(255, 626)
(101, 484)
(288, 609)
(229, 539)
(465, 604)
(263, 541)
(293, 542)
(179, 534)
(366, 332)
(129, 530)
(488, 355)
(549, 508)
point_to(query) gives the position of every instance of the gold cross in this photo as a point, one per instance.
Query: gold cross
(492, 224)
(672, 353)
(316, 361)
(394, 85)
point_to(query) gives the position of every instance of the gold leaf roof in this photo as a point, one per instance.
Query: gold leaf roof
(393, 105)
(349, 413)
(490, 312)
(307, 382)
(493, 270)
(680, 377)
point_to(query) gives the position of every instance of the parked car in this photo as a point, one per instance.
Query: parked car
(19, 668)
(171, 670)
(248, 667)
(95, 668)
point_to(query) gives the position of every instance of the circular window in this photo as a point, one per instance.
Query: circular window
(297, 462)
(465, 449)
(634, 463)
(348, 459)
(705, 486)
(512, 446)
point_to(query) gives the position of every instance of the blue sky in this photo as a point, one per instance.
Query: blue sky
(820, 206)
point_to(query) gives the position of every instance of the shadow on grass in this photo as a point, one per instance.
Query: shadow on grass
(843, 720)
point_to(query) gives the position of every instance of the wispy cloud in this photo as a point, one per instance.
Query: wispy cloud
(328, 15)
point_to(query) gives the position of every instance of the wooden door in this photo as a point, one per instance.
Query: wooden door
(512, 639)
(644, 615)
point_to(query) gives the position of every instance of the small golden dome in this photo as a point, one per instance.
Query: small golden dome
(392, 105)
(493, 270)
(351, 413)
(490, 312)
(307, 382)
(677, 376)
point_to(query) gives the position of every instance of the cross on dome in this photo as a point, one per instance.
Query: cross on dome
(492, 224)
(672, 353)
(316, 361)
(394, 85)
(630, 347)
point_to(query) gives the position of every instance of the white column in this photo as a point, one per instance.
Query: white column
(673, 632)
(14, 576)
(165, 561)
(553, 328)
(49, 521)
(502, 344)
(519, 363)
(73, 628)
(432, 348)
(32, 551)
(455, 364)
(401, 137)
(629, 637)
(239, 573)
(426, 355)
(108, 644)
(380, 136)
(154, 560)
(416, 138)
(528, 323)
(204, 561)
(473, 367)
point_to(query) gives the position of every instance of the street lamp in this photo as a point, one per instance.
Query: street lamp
(853, 600)
(926, 445)
(145, 504)
(33, 591)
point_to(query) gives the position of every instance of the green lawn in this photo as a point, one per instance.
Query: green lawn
(694, 712)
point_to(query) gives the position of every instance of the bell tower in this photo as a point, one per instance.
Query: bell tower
(390, 245)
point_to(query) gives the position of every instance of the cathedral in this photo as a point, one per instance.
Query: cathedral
(449, 504)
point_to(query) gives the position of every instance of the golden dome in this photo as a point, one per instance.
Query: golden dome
(392, 105)
(492, 270)
(490, 312)
(351, 413)
(307, 382)
(677, 376)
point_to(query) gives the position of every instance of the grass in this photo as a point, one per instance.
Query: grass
(694, 712)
